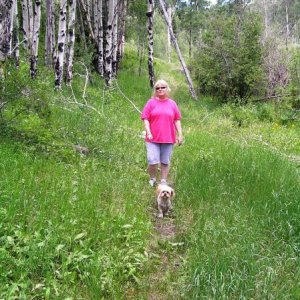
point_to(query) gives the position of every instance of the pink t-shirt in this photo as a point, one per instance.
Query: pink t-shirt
(161, 115)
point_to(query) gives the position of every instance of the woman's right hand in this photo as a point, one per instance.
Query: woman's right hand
(149, 136)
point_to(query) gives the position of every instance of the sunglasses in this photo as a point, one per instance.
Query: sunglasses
(161, 88)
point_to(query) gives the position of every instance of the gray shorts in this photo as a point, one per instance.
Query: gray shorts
(159, 153)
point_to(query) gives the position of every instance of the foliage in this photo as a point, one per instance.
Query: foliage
(137, 16)
(293, 90)
(79, 226)
(229, 61)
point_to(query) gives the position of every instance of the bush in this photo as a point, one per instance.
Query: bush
(229, 61)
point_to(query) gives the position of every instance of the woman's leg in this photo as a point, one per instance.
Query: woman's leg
(153, 152)
(165, 158)
(164, 172)
(152, 170)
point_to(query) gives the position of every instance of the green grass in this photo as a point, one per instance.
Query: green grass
(81, 227)
(243, 205)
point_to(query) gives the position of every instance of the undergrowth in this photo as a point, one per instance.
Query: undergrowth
(75, 217)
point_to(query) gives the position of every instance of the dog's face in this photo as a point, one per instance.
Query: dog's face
(164, 192)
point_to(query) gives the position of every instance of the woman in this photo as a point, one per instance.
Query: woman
(161, 117)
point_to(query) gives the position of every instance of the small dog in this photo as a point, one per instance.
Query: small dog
(165, 195)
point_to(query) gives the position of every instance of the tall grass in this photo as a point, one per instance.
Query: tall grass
(242, 203)
(76, 226)
(73, 226)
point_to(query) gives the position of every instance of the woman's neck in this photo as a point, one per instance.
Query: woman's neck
(161, 97)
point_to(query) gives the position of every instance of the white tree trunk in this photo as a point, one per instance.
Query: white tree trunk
(61, 41)
(35, 38)
(287, 25)
(181, 59)
(71, 41)
(115, 40)
(169, 11)
(99, 38)
(12, 16)
(95, 18)
(50, 34)
(150, 17)
(15, 37)
(6, 11)
(25, 24)
(30, 22)
(108, 48)
(121, 31)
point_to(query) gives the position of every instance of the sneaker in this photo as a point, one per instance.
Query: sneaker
(152, 181)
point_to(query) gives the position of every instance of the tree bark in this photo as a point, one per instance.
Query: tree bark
(50, 34)
(59, 64)
(27, 23)
(100, 57)
(15, 37)
(6, 12)
(115, 39)
(150, 17)
(287, 25)
(108, 37)
(87, 18)
(169, 12)
(121, 31)
(71, 41)
(35, 39)
(174, 40)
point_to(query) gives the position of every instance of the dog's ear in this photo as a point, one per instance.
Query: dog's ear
(172, 193)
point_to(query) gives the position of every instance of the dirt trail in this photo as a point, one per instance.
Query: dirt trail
(163, 274)
(163, 278)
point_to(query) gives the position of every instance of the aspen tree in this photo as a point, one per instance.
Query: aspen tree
(15, 36)
(150, 12)
(6, 8)
(98, 31)
(115, 40)
(85, 11)
(181, 59)
(62, 26)
(108, 37)
(169, 12)
(121, 31)
(25, 24)
(71, 41)
(12, 13)
(50, 34)
(35, 38)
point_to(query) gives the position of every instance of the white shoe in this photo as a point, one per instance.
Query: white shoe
(152, 181)
(163, 181)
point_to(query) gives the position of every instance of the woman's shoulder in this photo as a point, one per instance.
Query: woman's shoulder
(151, 100)
(172, 101)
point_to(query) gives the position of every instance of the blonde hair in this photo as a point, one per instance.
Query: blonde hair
(162, 82)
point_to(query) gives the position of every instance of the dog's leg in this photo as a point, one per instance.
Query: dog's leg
(170, 205)
(160, 212)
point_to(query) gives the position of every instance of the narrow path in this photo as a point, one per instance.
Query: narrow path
(163, 279)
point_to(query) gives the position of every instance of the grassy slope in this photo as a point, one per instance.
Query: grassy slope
(76, 226)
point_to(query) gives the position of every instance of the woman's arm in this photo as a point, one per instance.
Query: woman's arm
(147, 128)
(179, 132)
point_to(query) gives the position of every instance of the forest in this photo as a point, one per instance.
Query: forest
(77, 216)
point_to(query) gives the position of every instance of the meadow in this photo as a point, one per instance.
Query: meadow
(82, 226)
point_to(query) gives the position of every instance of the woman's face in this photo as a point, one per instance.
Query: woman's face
(161, 91)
